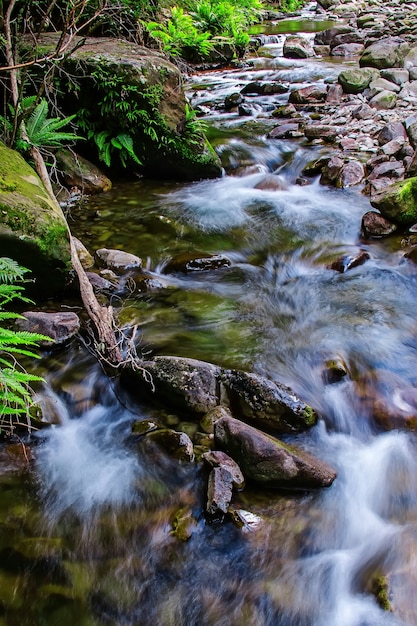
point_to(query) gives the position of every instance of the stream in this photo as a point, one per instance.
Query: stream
(90, 527)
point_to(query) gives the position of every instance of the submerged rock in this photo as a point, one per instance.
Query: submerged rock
(196, 262)
(216, 458)
(177, 444)
(269, 462)
(59, 326)
(219, 491)
(118, 260)
(79, 172)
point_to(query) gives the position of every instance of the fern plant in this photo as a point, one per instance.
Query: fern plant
(44, 132)
(15, 382)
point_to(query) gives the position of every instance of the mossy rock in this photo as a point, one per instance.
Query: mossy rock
(33, 230)
(398, 202)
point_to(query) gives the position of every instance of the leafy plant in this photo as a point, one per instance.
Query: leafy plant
(44, 132)
(180, 33)
(15, 390)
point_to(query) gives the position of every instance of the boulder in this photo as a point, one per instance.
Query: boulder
(297, 47)
(78, 172)
(260, 88)
(383, 100)
(382, 84)
(393, 130)
(267, 403)
(283, 131)
(326, 37)
(153, 97)
(357, 80)
(59, 326)
(398, 202)
(347, 262)
(347, 50)
(384, 53)
(195, 262)
(33, 230)
(272, 182)
(399, 76)
(118, 260)
(309, 95)
(320, 131)
(177, 444)
(269, 462)
(217, 458)
(233, 100)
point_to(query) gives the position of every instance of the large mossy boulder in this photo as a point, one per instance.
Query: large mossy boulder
(125, 89)
(33, 230)
(356, 80)
(385, 53)
(398, 202)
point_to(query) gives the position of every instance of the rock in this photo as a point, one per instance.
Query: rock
(334, 371)
(60, 326)
(208, 420)
(272, 182)
(309, 95)
(351, 173)
(399, 76)
(389, 169)
(314, 168)
(285, 111)
(347, 262)
(216, 458)
(398, 202)
(267, 403)
(86, 259)
(331, 170)
(118, 260)
(195, 262)
(297, 47)
(347, 50)
(355, 81)
(79, 172)
(383, 100)
(33, 230)
(411, 170)
(412, 134)
(261, 88)
(335, 94)
(144, 427)
(284, 131)
(352, 37)
(319, 131)
(186, 384)
(363, 112)
(233, 100)
(246, 109)
(99, 283)
(184, 525)
(384, 53)
(219, 492)
(269, 462)
(147, 77)
(177, 444)
(326, 37)
(381, 84)
(410, 59)
(393, 147)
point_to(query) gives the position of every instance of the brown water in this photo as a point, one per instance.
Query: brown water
(87, 528)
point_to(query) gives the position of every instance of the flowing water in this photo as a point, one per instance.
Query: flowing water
(90, 528)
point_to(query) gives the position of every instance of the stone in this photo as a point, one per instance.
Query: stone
(335, 94)
(393, 147)
(347, 262)
(233, 100)
(326, 37)
(381, 84)
(390, 169)
(383, 100)
(357, 80)
(59, 326)
(269, 462)
(297, 47)
(410, 59)
(86, 259)
(285, 111)
(412, 134)
(208, 420)
(267, 403)
(284, 131)
(33, 229)
(308, 95)
(334, 371)
(79, 172)
(245, 109)
(351, 173)
(411, 170)
(384, 53)
(331, 170)
(399, 76)
(217, 458)
(195, 262)
(347, 50)
(363, 112)
(393, 130)
(260, 88)
(272, 182)
(118, 260)
(320, 131)
(176, 444)
(99, 283)
(398, 202)
(219, 492)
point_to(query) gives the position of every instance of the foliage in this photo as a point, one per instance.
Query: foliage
(44, 132)
(15, 391)
(289, 6)
(180, 33)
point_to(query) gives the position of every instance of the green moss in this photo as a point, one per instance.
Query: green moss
(380, 589)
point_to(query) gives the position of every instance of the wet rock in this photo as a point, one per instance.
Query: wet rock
(195, 262)
(327, 37)
(219, 492)
(297, 47)
(374, 226)
(412, 134)
(389, 169)
(393, 147)
(60, 326)
(357, 80)
(410, 59)
(118, 260)
(232, 100)
(347, 50)
(315, 167)
(385, 53)
(217, 458)
(99, 283)
(319, 131)
(261, 88)
(411, 170)
(207, 422)
(245, 109)
(86, 259)
(335, 94)
(384, 100)
(398, 202)
(269, 462)
(272, 182)
(352, 37)
(143, 427)
(285, 111)
(347, 262)
(176, 444)
(267, 403)
(284, 131)
(334, 371)
(352, 173)
(80, 173)
(184, 525)
(363, 112)
(309, 95)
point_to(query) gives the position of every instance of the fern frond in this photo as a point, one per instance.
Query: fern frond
(37, 120)
(10, 270)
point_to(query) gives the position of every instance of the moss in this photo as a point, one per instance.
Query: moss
(380, 589)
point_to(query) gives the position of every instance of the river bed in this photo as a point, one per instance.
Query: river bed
(95, 531)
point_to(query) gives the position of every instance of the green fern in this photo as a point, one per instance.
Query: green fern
(15, 390)
(44, 132)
